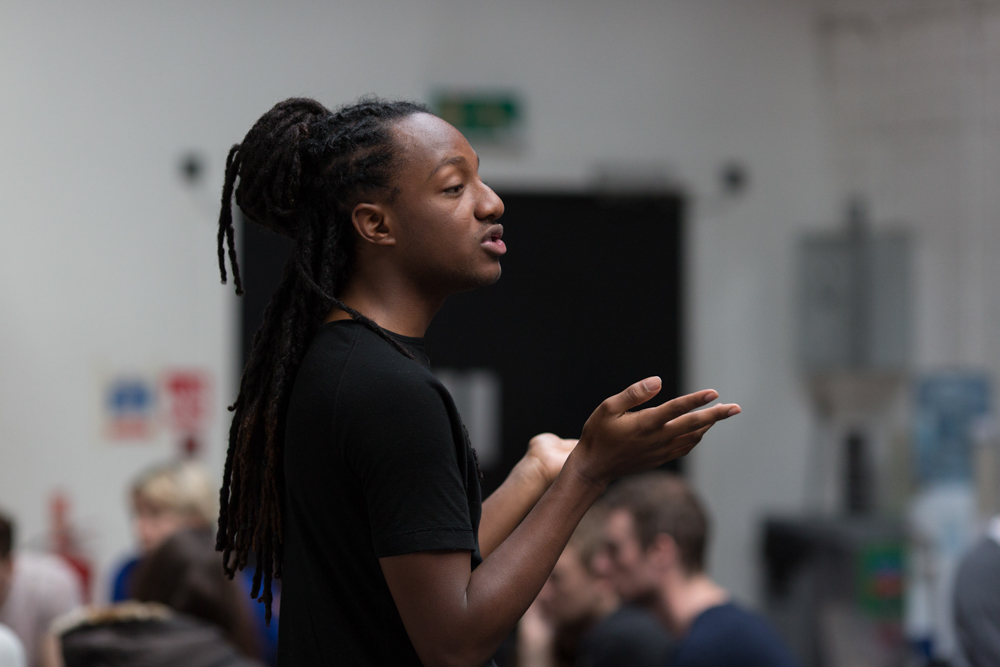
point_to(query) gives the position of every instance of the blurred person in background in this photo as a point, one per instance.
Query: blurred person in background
(577, 619)
(34, 590)
(11, 649)
(655, 534)
(169, 498)
(977, 600)
(349, 473)
(185, 613)
(165, 499)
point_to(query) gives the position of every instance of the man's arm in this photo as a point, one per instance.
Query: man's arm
(456, 616)
(504, 509)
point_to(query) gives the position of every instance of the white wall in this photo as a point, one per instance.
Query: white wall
(108, 258)
(915, 91)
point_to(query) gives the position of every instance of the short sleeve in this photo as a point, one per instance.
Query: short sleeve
(403, 445)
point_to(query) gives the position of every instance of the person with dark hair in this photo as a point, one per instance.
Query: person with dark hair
(349, 473)
(186, 613)
(34, 589)
(184, 574)
(168, 498)
(578, 620)
(656, 533)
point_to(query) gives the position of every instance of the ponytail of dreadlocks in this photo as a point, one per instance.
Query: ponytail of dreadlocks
(300, 171)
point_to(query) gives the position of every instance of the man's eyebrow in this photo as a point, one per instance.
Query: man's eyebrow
(457, 159)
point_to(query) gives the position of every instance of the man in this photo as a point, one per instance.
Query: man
(578, 618)
(349, 472)
(977, 600)
(34, 590)
(655, 535)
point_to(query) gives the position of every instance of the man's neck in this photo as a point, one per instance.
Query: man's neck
(684, 597)
(394, 305)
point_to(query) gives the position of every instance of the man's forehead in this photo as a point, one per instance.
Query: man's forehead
(428, 139)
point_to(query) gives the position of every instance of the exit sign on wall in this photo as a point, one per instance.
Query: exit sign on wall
(483, 117)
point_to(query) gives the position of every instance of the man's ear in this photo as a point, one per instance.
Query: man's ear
(372, 224)
(663, 552)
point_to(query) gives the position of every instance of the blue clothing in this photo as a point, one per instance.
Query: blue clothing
(730, 636)
(122, 589)
(267, 636)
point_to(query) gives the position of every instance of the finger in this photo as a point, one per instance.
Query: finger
(694, 421)
(684, 444)
(637, 394)
(691, 439)
(661, 414)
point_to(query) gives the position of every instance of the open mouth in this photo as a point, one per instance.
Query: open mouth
(493, 241)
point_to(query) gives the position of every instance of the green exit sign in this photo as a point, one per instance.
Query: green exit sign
(491, 117)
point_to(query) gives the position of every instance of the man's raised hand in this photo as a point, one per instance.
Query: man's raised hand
(616, 442)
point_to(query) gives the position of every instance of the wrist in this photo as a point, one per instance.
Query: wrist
(531, 470)
(580, 468)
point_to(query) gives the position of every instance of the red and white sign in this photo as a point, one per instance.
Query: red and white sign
(187, 395)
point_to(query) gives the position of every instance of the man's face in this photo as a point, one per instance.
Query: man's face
(446, 231)
(625, 561)
(572, 593)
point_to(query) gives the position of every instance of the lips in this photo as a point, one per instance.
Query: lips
(492, 241)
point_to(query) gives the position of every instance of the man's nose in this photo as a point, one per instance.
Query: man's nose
(490, 206)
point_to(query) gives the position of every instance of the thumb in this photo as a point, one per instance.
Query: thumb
(637, 394)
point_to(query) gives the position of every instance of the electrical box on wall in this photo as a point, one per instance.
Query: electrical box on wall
(854, 301)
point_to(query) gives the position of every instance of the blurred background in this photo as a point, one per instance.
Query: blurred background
(793, 202)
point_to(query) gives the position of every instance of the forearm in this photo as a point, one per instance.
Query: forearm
(504, 509)
(504, 585)
(456, 618)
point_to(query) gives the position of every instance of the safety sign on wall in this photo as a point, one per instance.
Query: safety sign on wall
(142, 406)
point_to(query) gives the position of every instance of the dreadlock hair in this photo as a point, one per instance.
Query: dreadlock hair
(301, 170)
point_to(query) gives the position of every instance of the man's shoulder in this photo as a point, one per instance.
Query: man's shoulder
(628, 635)
(351, 355)
(41, 567)
(629, 620)
(737, 636)
(982, 558)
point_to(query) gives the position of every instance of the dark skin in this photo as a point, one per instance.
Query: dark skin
(435, 238)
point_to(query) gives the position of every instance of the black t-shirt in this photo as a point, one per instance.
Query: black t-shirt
(730, 636)
(627, 636)
(376, 464)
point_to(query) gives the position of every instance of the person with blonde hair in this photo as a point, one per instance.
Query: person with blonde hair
(165, 499)
(171, 497)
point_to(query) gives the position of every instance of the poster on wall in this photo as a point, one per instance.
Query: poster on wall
(129, 407)
(156, 406)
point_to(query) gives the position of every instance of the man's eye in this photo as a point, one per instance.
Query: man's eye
(455, 189)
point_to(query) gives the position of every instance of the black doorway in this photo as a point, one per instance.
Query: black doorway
(589, 302)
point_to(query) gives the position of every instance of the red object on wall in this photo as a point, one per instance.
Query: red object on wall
(188, 394)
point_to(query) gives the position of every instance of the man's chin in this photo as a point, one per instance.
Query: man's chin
(482, 279)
